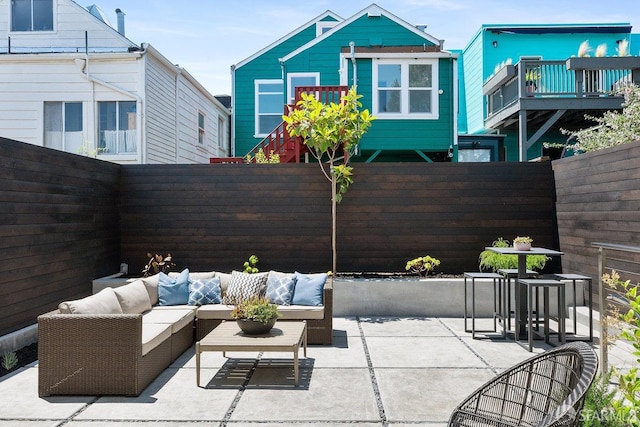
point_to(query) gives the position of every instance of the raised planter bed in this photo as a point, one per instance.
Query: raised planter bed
(406, 297)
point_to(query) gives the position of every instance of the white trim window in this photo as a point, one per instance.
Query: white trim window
(201, 134)
(117, 127)
(269, 106)
(324, 26)
(31, 15)
(63, 127)
(295, 80)
(405, 89)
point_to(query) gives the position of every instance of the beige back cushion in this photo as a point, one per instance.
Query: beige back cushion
(225, 279)
(151, 283)
(133, 297)
(104, 302)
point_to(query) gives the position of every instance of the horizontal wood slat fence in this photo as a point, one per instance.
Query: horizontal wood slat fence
(68, 219)
(598, 201)
(59, 228)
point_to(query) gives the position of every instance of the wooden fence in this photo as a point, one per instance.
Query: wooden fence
(67, 219)
(214, 217)
(59, 228)
(598, 201)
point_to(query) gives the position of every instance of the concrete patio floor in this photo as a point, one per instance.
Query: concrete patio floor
(382, 371)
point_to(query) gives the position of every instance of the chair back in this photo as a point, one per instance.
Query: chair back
(545, 390)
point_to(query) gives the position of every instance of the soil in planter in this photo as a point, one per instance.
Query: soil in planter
(397, 275)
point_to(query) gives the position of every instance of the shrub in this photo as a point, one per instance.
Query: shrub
(422, 265)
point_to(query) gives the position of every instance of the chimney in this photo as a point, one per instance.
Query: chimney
(120, 21)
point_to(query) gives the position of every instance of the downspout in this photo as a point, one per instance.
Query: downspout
(84, 70)
(175, 111)
(456, 109)
(352, 46)
(232, 125)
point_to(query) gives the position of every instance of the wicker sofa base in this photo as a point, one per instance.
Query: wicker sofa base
(100, 355)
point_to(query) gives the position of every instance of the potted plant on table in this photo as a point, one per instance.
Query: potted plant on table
(255, 315)
(493, 261)
(522, 243)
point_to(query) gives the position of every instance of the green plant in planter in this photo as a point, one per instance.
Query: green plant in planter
(523, 239)
(9, 360)
(250, 266)
(157, 263)
(259, 309)
(422, 265)
(493, 261)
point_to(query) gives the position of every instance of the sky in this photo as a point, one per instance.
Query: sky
(206, 37)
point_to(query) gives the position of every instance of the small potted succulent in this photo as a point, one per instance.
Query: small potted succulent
(522, 243)
(255, 315)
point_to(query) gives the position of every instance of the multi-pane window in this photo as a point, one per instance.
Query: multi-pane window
(269, 105)
(405, 88)
(31, 15)
(300, 79)
(117, 127)
(63, 126)
(200, 128)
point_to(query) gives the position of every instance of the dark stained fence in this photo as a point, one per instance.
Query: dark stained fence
(598, 201)
(451, 211)
(214, 217)
(67, 219)
(59, 228)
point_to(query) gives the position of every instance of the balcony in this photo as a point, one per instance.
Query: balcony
(547, 95)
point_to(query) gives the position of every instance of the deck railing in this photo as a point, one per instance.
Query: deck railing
(279, 141)
(546, 79)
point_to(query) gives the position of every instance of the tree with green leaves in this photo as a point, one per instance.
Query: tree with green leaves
(614, 127)
(330, 131)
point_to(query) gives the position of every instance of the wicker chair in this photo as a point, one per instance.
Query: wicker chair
(545, 390)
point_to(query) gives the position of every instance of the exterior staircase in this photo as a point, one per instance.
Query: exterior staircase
(290, 149)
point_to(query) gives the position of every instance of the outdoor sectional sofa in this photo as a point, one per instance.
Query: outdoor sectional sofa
(119, 340)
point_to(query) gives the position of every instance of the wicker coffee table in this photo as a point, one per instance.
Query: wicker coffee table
(285, 336)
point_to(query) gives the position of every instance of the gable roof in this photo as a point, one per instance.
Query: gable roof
(315, 20)
(372, 9)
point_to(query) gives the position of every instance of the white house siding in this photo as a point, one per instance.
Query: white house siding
(27, 81)
(160, 90)
(70, 22)
(190, 102)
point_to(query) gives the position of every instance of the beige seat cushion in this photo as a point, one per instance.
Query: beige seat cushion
(154, 334)
(104, 302)
(178, 319)
(288, 312)
(133, 297)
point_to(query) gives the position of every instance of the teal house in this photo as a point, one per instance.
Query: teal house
(513, 93)
(522, 85)
(407, 80)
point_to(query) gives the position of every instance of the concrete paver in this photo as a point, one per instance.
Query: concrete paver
(384, 371)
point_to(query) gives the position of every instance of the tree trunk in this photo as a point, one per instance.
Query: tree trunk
(333, 223)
